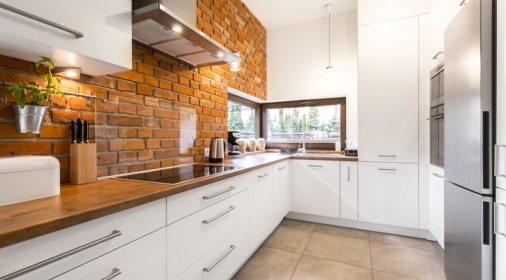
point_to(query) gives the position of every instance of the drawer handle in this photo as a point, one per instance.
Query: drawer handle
(43, 263)
(496, 209)
(348, 173)
(437, 175)
(217, 216)
(207, 269)
(115, 272)
(264, 175)
(497, 161)
(207, 197)
(311, 165)
(282, 167)
(389, 156)
(43, 20)
(387, 169)
(438, 54)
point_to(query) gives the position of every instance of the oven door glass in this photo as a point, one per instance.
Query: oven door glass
(434, 142)
(441, 88)
(434, 91)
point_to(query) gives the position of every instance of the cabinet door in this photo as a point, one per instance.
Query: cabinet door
(388, 91)
(141, 259)
(388, 193)
(349, 190)
(500, 234)
(282, 190)
(436, 204)
(260, 206)
(500, 157)
(316, 187)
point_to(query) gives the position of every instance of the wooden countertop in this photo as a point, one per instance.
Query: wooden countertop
(77, 204)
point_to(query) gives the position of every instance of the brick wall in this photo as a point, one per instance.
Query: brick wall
(159, 114)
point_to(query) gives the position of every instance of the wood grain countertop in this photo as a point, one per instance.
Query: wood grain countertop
(77, 204)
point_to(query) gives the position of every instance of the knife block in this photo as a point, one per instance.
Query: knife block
(83, 163)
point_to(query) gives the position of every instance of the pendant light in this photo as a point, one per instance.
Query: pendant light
(330, 69)
(235, 65)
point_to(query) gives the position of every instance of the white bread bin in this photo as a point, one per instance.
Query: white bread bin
(26, 178)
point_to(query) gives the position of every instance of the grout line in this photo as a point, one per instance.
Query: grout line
(302, 253)
(370, 253)
(338, 262)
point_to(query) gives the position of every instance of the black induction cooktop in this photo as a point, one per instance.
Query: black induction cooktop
(176, 175)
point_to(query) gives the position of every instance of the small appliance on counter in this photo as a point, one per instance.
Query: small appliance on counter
(233, 145)
(351, 148)
(217, 150)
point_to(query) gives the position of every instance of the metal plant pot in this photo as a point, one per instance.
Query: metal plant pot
(29, 119)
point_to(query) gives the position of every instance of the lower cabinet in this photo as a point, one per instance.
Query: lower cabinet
(316, 187)
(260, 206)
(222, 261)
(437, 204)
(349, 190)
(142, 259)
(282, 190)
(388, 193)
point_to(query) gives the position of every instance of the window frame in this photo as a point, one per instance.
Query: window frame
(251, 104)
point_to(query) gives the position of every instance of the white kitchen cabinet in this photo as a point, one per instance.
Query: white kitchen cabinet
(132, 223)
(107, 27)
(260, 206)
(374, 11)
(349, 190)
(282, 190)
(316, 187)
(437, 204)
(142, 259)
(193, 237)
(388, 91)
(500, 233)
(388, 193)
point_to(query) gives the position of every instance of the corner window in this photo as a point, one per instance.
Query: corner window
(243, 118)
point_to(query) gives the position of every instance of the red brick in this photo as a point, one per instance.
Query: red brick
(165, 123)
(127, 133)
(125, 86)
(183, 89)
(55, 131)
(166, 153)
(206, 103)
(145, 133)
(126, 145)
(152, 144)
(107, 158)
(144, 111)
(207, 89)
(166, 75)
(14, 63)
(145, 155)
(24, 148)
(144, 68)
(129, 75)
(127, 109)
(107, 133)
(151, 60)
(168, 114)
(124, 120)
(162, 133)
(206, 73)
(183, 72)
(144, 90)
(148, 80)
(165, 94)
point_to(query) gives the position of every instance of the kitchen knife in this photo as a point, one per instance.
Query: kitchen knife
(73, 131)
(86, 132)
(80, 130)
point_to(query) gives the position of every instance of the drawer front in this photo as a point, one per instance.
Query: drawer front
(191, 238)
(186, 203)
(228, 257)
(133, 224)
(388, 193)
(144, 258)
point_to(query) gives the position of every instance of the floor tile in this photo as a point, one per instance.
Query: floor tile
(298, 224)
(288, 239)
(269, 264)
(310, 268)
(437, 247)
(379, 275)
(409, 262)
(411, 242)
(342, 231)
(339, 249)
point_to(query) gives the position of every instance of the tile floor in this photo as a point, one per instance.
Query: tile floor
(303, 250)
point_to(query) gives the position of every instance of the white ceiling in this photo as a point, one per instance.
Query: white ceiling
(277, 13)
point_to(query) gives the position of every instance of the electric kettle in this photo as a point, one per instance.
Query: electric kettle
(217, 150)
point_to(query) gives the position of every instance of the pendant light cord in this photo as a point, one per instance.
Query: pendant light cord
(329, 38)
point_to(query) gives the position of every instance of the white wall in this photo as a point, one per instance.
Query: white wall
(297, 58)
(375, 11)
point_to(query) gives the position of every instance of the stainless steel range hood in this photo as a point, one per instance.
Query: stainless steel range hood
(154, 22)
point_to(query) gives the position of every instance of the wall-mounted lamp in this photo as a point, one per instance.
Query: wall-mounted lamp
(236, 66)
(68, 72)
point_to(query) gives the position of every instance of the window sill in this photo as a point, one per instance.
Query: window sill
(299, 141)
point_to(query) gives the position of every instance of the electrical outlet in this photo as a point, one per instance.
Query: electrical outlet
(206, 152)
(88, 100)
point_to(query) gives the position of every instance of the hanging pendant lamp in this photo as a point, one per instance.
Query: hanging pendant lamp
(330, 69)
(236, 66)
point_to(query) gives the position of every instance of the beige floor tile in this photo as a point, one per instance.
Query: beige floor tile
(339, 249)
(310, 268)
(409, 262)
(411, 242)
(298, 224)
(379, 275)
(288, 239)
(348, 232)
(269, 264)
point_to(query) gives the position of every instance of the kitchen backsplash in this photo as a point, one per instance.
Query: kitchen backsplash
(161, 113)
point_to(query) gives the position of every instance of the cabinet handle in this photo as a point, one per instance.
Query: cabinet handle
(496, 209)
(437, 175)
(207, 197)
(217, 216)
(496, 160)
(439, 53)
(115, 272)
(348, 173)
(282, 167)
(390, 156)
(463, 2)
(387, 169)
(43, 263)
(311, 165)
(207, 269)
(264, 175)
(435, 118)
(42, 20)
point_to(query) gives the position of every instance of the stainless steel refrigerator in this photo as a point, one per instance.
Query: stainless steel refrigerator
(469, 134)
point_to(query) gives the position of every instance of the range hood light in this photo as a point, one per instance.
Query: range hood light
(236, 65)
(177, 29)
(219, 54)
(67, 72)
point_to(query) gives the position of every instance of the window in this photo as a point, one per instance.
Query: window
(243, 116)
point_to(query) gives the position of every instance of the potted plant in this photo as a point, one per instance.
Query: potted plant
(261, 144)
(33, 101)
(242, 145)
(252, 143)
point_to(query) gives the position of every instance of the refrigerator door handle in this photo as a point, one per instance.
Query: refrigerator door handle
(497, 149)
(496, 209)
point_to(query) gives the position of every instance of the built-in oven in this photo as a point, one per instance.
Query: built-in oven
(437, 116)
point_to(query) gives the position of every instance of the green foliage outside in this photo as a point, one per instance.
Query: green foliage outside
(294, 123)
(234, 117)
